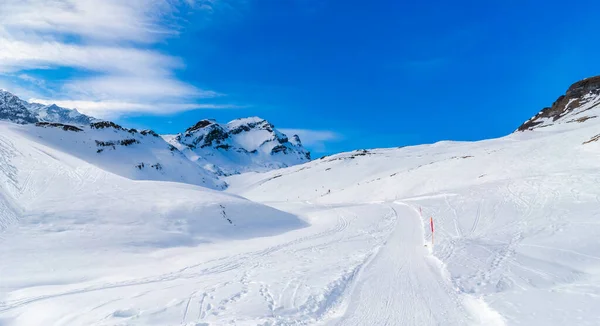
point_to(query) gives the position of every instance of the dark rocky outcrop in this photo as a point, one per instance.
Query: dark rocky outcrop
(577, 95)
(106, 124)
(62, 126)
(593, 139)
(199, 125)
(149, 132)
(123, 142)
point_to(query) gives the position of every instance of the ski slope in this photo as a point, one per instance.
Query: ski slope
(69, 229)
(405, 285)
(337, 241)
(516, 221)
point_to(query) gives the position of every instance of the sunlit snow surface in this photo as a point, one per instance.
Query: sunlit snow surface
(337, 241)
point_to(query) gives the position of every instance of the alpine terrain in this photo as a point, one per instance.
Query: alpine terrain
(232, 224)
(242, 145)
(199, 155)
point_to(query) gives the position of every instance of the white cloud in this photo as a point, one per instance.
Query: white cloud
(18, 55)
(109, 42)
(314, 139)
(131, 20)
(112, 109)
(32, 80)
(136, 87)
(22, 92)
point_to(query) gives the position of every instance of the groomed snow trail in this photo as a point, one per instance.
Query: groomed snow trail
(405, 285)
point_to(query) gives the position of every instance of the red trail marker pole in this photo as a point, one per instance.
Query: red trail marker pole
(431, 223)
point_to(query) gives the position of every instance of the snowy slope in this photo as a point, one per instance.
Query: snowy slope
(515, 244)
(138, 155)
(69, 228)
(516, 225)
(242, 145)
(404, 285)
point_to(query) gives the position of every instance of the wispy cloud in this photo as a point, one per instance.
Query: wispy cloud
(32, 80)
(110, 42)
(113, 109)
(316, 140)
(132, 20)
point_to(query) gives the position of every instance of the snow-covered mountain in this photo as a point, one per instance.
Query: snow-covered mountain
(55, 113)
(14, 109)
(242, 145)
(574, 107)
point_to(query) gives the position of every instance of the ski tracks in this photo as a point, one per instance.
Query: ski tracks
(405, 285)
(393, 283)
(201, 303)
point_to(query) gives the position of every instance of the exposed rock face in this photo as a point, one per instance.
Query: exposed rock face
(296, 140)
(199, 125)
(62, 126)
(581, 97)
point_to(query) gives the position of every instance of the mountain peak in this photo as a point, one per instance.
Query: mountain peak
(245, 144)
(573, 106)
(201, 124)
(296, 140)
(246, 121)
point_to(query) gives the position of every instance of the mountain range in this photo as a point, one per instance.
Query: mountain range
(14, 109)
(243, 145)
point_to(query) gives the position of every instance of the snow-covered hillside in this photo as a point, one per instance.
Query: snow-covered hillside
(242, 145)
(68, 227)
(516, 226)
(345, 239)
(137, 155)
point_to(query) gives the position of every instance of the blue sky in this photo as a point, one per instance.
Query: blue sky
(344, 74)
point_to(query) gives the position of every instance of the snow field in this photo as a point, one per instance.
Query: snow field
(336, 241)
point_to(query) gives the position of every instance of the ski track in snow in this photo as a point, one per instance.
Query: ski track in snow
(252, 261)
(516, 241)
(405, 285)
(397, 283)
